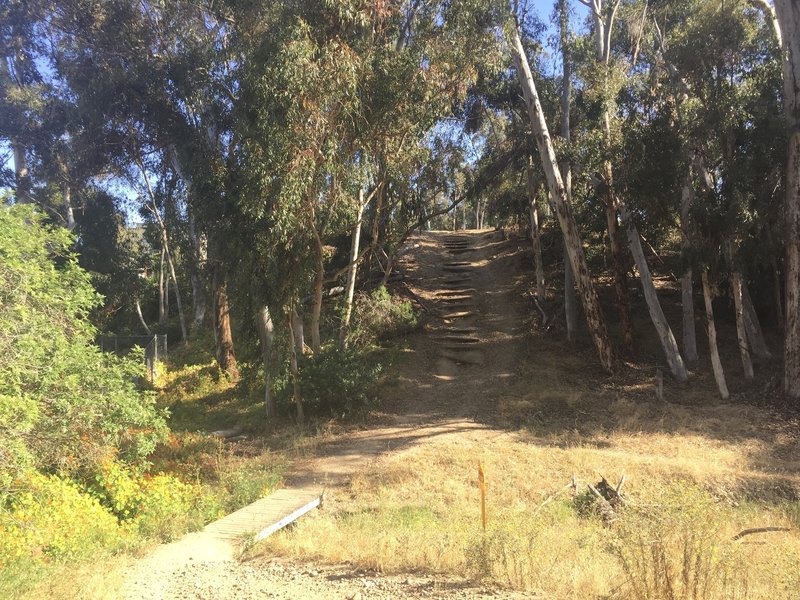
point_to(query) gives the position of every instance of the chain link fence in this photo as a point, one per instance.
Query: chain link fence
(155, 348)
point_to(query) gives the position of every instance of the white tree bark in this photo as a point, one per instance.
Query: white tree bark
(292, 320)
(570, 302)
(738, 303)
(665, 336)
(70, 214)
(352, 272)
(165, 247)
(716, 363)
(591, 304)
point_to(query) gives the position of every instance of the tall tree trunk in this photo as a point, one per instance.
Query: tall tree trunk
(266, 335)
(777, 293)
(197, 270)
(741, 333)
(620, 272)
(665, 336)
(755, 335)
(535, 235)
(70, 214)
(591, 304)
(716, 363)
(738, 303)
(298, 333)
(687, 291)
(788, 13)
(293, 365)
(22, 180)
(316, 307)
(570, 302)
(226, 356)
(163, 290)
(181, 318)
(352, 272)
(199, 254)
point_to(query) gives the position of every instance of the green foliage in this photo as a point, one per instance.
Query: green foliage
(378, 316)
(63, 404)
(157, 506)
(49, 519)
(339, 382)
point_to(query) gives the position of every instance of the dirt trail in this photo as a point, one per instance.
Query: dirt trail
(469, 283)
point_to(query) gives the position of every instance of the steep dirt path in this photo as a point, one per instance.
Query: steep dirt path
(469, 283)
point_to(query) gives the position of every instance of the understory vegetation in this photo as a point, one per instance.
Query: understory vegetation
(235, 193)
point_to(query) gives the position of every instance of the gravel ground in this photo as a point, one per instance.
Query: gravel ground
(273, 578)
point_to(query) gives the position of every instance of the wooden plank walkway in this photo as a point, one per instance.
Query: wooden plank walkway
(265, 516)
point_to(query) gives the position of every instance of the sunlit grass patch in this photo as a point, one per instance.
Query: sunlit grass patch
(419, 510)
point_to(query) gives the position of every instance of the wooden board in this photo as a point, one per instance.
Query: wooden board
(264, 517)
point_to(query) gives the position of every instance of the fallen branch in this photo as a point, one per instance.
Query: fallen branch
(605, 507)
(745, 532)
(553, 497)
(541, 310)
(228, 433)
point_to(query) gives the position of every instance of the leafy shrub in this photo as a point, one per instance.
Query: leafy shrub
(49, 519)
(379, 316)
(160, 506)
(245, 483)
(674, 550)
(339, 382)
(63, 403)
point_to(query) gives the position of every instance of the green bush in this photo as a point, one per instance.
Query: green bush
(339, 382)
(379, 316)
(63, 404)
(50, 519)
(153, 506)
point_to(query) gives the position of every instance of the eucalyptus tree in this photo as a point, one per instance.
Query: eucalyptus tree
(788, 16)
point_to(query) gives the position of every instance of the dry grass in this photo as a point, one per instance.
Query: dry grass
(418, 509)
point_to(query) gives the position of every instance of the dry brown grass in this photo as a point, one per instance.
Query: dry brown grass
(418, 509)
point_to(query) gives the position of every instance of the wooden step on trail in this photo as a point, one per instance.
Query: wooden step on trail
(264, 517)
